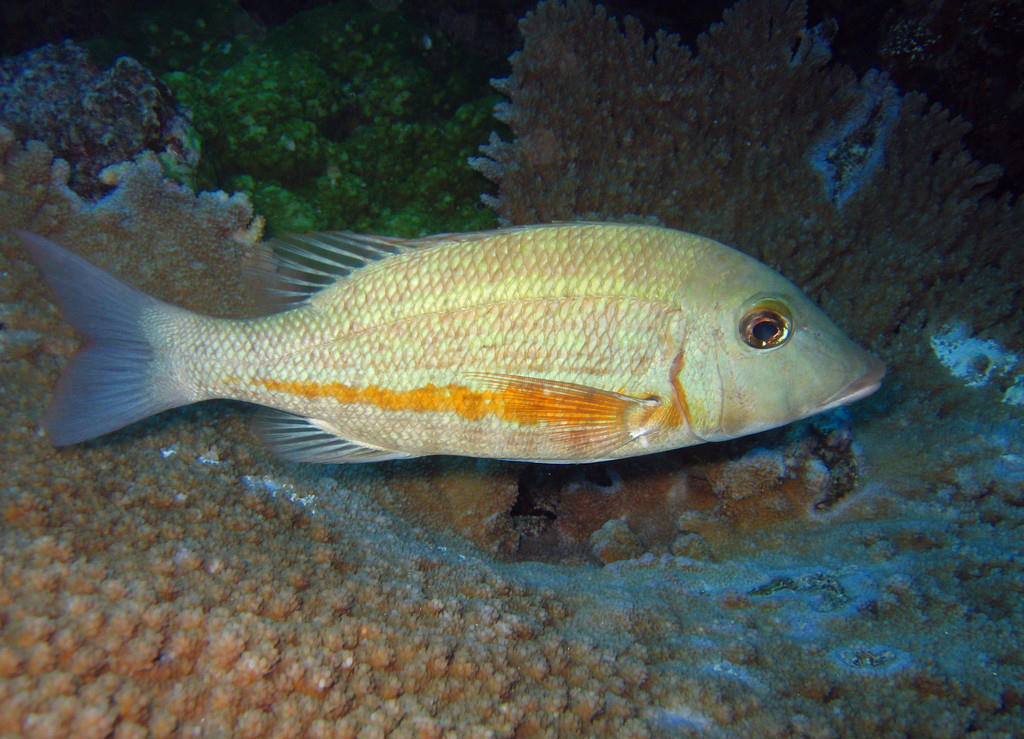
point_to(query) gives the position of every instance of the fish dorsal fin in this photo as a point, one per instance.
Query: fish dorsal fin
(587, 423)
(294, 267)
(302, 439)
(289, 269)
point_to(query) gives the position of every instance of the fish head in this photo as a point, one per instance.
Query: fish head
(766, 356)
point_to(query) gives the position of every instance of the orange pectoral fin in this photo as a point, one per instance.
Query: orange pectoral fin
(587, 422)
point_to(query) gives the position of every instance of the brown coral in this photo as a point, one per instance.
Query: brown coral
(152, 232)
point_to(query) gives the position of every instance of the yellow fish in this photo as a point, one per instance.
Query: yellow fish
(571, 342)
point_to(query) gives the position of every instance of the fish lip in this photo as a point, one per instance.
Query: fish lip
(859, 388)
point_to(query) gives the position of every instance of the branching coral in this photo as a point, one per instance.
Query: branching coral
(153, 232)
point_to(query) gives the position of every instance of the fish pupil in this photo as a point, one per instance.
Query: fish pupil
(765, 330)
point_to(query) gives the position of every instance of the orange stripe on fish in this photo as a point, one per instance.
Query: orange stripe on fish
(680, 409)
(524, 400)
(430, 397)
(583, 421)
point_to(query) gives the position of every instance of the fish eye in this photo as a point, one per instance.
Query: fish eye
(766, 325)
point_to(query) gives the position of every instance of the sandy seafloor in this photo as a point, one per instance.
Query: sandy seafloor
(176, 580)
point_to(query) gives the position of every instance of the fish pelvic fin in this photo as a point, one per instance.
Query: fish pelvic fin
(116, 377)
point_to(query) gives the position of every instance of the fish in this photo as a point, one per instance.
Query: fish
(558, 343)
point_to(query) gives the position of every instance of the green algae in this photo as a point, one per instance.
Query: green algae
(185, 35)
(342, 118)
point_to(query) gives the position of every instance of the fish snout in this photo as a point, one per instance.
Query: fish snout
(860, 387)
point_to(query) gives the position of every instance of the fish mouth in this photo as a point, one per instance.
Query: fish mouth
(859, 388)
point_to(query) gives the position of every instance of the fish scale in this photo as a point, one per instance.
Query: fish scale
(559, 342)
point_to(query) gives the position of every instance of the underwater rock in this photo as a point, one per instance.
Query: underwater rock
(759, 471)
(90, 117)
(471, 498)
(689, 544)
(615, 541)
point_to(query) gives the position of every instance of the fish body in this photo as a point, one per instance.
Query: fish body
(555, 343)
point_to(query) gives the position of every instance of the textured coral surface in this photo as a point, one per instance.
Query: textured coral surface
(90, 118)
(345, 117)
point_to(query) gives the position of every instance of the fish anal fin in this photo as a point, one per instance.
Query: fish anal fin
(301, 439)
(586, 422)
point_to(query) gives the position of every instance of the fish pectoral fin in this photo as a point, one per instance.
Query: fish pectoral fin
(302, 439)
(587, 422)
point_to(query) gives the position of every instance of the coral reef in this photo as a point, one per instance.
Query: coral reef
(960, 54)
(342, 117)
(858, 574)
(153, 232)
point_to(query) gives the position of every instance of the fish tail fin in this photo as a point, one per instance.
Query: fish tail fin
(117, 377)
